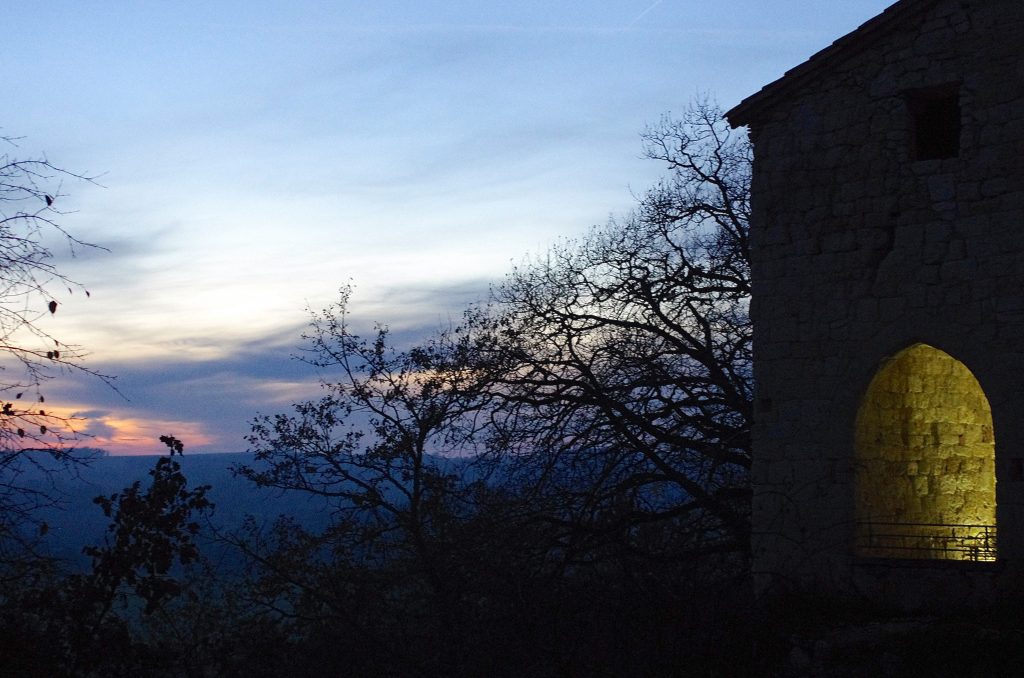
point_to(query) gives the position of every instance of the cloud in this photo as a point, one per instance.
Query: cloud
(210, 402)
(90, 414)
(97, 428)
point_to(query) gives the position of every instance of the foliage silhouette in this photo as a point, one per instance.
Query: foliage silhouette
(564, 472)
(557, 486)
(624, 358)
(31, 433)
(88, 624)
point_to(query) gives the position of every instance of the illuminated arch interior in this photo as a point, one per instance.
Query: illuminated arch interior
(925, 473)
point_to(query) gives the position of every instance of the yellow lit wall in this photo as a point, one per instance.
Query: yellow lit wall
(925, 457)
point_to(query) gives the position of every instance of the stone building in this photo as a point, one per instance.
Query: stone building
(888, 270)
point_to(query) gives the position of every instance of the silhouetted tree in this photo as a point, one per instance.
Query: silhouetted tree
(556, 487)
(30, 432)
(370, 447)
(150, 532)
(620, 364)
(88, 624)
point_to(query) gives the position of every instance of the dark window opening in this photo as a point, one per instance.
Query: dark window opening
(935, 121)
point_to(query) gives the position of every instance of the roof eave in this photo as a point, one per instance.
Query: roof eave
(746, 112)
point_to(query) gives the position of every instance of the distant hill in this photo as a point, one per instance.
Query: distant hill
(80, 522)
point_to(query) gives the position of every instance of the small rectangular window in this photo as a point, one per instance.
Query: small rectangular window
(935, 122)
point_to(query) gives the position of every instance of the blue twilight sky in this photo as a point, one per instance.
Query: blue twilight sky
(257, 155)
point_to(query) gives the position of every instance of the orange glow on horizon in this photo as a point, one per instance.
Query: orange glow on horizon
(125, 436)
(142, 436)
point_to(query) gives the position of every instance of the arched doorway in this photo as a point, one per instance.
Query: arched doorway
(925, 461)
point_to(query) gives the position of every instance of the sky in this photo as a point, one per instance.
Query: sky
(252, 157)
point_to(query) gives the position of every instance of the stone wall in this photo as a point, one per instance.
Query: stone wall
(861, 251)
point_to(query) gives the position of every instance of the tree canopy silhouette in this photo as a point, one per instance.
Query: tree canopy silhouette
(619, 365)
(573, 455)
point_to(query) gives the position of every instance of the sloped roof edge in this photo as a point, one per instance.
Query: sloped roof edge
(746, 111)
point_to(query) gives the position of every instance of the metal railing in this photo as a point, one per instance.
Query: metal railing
(934, 541)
